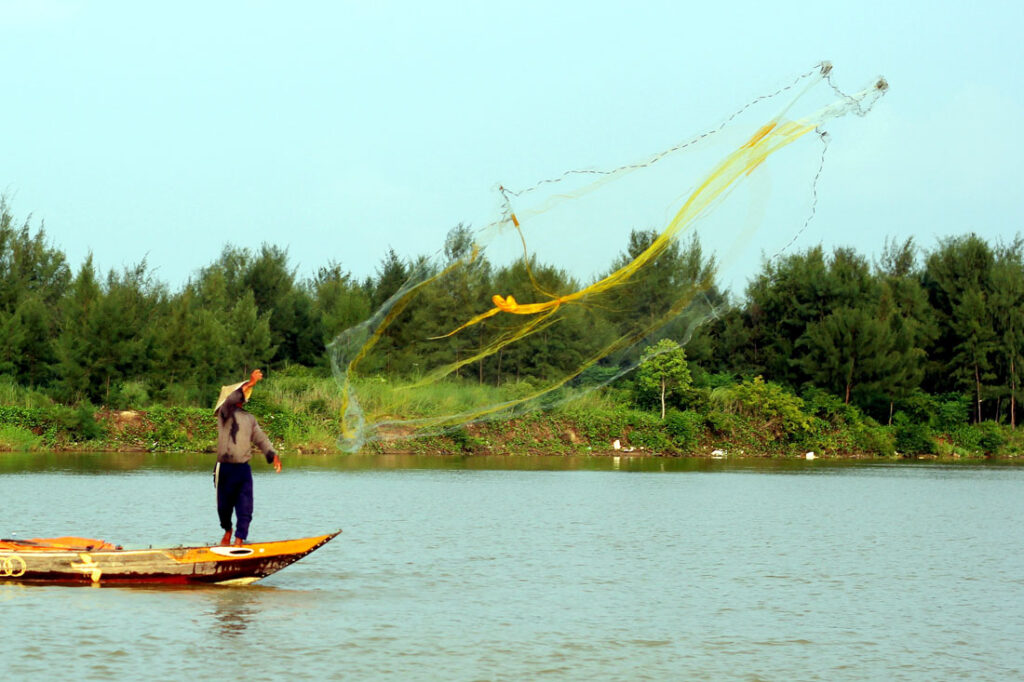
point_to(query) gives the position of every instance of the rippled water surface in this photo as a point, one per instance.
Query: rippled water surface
(533, 568)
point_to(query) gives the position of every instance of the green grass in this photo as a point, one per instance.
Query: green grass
(18, 439)
(15, 395)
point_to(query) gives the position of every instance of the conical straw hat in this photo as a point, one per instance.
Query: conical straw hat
(225, 391)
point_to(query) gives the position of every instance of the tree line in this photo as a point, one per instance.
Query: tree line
(948, 321)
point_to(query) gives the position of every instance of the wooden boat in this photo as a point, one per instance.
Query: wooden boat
(85, 561)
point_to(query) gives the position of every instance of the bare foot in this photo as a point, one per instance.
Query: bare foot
(226, 540)
(239, 542)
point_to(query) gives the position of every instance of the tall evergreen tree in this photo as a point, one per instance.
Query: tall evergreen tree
(33, 278)
(1007, 305)
(392, 273)
(396, 351)
(339, 302)
(460, 291)
(850, 349)
(904, 304)
(957, 278)
(249, 336)
(75, 350)
(26, 342)
(648, 299)
(28, 265)
(793, 293)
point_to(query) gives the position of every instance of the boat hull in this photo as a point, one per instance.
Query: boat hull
(174, 566)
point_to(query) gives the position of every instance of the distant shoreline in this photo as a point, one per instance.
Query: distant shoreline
(579, 432)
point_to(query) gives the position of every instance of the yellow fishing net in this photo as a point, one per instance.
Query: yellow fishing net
(532, 304)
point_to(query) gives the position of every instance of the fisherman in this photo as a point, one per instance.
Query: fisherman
(237, 432)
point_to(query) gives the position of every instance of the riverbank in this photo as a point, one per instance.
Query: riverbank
(595, 426)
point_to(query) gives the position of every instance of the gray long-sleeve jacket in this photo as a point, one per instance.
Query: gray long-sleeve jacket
(249, 434)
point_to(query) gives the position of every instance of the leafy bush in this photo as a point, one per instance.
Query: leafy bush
(645, 430)
(464, 440)
(79, 423)
(912, 437)
(780, 412)
(966, 437)
(874, 440)
(990, 437)
(182, 429)
(918, 407)
(820, 436)
(319, 406)
(721, 423)
(185, 395)
(18, 439)
(596, 375)
(12, 393)
(685, 428)
(130, 394)
(653, 439)
(829, 407)
(951, 411)
(602, 425)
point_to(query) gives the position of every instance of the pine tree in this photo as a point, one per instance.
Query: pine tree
(74, 348)
(1007, 305)
(249, 336)
(851, 349)
(957, 278)
(794, 293)
(338, 301)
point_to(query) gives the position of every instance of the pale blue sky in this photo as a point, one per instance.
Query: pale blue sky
(338, 129)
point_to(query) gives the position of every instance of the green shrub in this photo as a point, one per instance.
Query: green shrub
(829, 407)
(990, 437)
(966, 437)
(646, 431)
(918, 406)
(951, 412)
(912, 437)
(130, 394)
(821, 436)
(721, 423)
(779, 412)
(464, 440)
(685, 428)
(596, 375)
(601, 425)
(319, 406)
(79, 422)
(16, 395)
(874, 440)
(18, 439)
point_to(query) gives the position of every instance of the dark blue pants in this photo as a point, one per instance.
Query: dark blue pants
(234, 494)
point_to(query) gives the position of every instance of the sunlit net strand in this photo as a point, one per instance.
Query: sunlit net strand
(820, 70)
(509, 217)
(824, 137)
(768, 139)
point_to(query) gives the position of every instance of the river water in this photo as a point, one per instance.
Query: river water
(538, 568)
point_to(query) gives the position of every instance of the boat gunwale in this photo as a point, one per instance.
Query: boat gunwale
(120, 566)
(323, 539)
